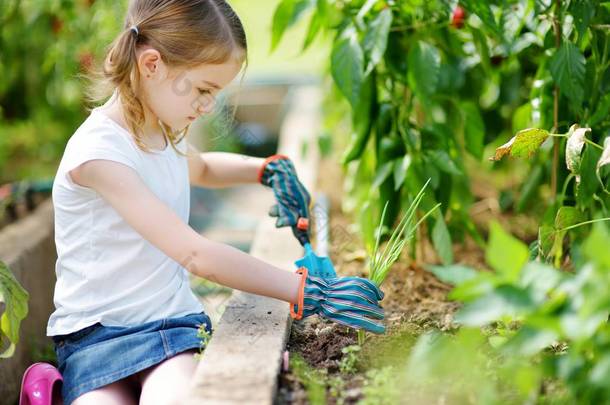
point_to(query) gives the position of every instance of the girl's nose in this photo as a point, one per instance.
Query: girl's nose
(206, 105)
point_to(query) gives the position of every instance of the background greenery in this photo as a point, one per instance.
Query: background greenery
(46, 44)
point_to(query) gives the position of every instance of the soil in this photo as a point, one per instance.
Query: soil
(415, 301)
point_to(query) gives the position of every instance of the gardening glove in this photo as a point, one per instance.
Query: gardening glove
(292, 208)
(350, 301)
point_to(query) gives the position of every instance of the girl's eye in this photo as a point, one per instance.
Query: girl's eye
(204, 91)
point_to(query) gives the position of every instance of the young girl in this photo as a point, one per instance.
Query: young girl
(126, 320)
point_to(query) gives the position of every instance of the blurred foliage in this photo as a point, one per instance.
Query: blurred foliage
(434, 85)
(540, 324)
(43, 46)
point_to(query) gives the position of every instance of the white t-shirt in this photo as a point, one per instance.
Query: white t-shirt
(106, 271)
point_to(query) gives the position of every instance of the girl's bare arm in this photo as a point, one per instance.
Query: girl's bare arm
(222, 169)
(125, 191)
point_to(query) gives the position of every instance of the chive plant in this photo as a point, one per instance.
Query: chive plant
(381, 261)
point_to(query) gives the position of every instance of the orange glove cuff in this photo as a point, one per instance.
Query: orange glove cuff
(299, 313)
(271, 158)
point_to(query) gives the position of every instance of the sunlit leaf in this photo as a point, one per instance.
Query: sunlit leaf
(442, 240)
(347, 65)
(376, 39)
(523, 144)
(505, 253)
(453, 274)
(15, 299)
(505, 300)
(401, 166)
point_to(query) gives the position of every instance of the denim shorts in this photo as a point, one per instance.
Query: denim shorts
(99, 355)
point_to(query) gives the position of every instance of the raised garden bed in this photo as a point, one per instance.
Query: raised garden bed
(326, 365)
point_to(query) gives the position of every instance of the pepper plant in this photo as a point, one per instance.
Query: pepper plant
(588, 164)
(432, 84)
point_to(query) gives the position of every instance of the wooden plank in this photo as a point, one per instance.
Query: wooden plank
(242, 360)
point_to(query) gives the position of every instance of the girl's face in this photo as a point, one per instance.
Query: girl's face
(178, 96)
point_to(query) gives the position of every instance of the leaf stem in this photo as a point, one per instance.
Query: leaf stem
(582, 223)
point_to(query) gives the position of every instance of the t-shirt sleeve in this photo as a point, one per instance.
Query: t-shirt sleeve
(101, 144)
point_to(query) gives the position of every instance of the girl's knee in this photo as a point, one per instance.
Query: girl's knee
(119, 393)
(169, 382)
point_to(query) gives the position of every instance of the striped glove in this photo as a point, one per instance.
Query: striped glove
(292, 208)
(350, 301)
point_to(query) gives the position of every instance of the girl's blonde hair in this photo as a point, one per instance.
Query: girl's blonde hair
(187, 33)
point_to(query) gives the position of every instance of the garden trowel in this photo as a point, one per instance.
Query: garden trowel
(318, 266)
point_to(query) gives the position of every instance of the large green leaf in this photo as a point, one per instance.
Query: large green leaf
(443, 161)
(401, 166)
(505, 253)
(347, 61)
(505, 300)
(529, 341)
(424, 68)
(596, 246)
(566, 217)
(16, 301)
(453, 274)
(383, 172)
(287, 13)
(376, 38)
(567, 67)
(442, 240)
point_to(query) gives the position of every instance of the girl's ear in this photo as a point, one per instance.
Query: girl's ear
(150, 63)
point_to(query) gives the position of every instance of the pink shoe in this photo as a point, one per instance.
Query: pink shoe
(40, 385)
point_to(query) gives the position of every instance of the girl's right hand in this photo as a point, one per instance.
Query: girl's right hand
(351, 301)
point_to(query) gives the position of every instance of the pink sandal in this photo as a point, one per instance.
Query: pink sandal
(40, 385)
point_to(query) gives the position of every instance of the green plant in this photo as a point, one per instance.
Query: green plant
(550, 325)
(382, 387)
(380, 262)
(587, 163)
(431, 86)
(312, 379)
(349, 359)
(15, 299)
(205, 337)
(41, 98)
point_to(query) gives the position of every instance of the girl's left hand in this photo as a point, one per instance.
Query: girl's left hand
(293, 199)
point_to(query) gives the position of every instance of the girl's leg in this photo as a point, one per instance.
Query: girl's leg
(118, 393)
(167, 382)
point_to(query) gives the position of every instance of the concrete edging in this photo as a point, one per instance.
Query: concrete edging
(242, 360)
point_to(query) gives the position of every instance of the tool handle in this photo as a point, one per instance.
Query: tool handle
(303, 224)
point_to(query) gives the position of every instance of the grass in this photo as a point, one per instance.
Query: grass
(381, 261)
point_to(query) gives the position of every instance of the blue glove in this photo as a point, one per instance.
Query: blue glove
(292, 208)
(350, 301)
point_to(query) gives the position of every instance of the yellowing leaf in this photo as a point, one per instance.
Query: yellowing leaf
(523, 144)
